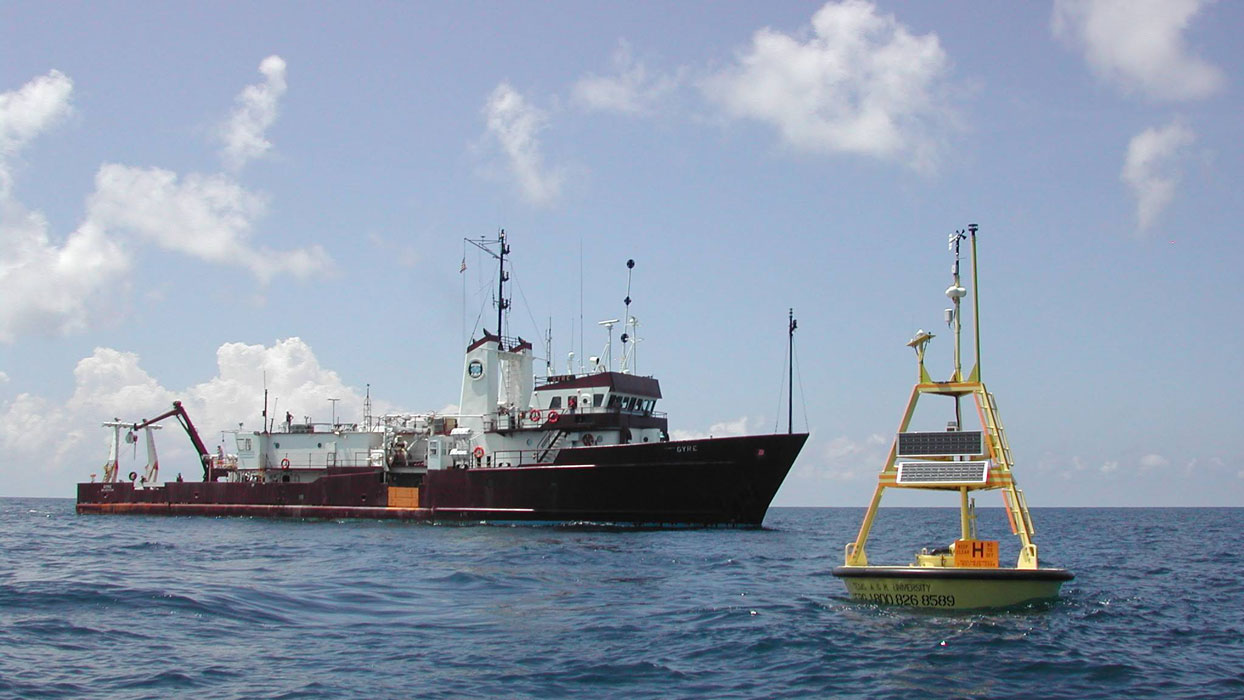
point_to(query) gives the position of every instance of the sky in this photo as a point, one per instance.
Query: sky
(198, 200)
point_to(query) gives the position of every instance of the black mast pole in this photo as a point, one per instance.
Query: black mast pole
(790, 379)
(502, 304)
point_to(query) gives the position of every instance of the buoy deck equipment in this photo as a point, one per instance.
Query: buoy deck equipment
(966, 574)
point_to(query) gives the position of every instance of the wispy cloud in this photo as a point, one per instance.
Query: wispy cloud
(630, 90)
(1154, 461)
(1151, 169)
(846, 459)
(244, 134)
(861, 83)
(743, 425)
(515, 125)
(1138, 45)
(403, 253)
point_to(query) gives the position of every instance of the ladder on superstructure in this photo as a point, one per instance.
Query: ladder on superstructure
(557, 438)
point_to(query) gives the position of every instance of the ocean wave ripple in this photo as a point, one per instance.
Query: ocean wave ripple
(154, 607)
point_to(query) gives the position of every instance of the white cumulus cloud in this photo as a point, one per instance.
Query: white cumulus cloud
(48, 286)
(64, 440)
(515, 125)
(296, 382)
(50, 445)
(1138, 45)
(631, 90)
(244, 134)
(26, 113)
(860, 83)
(111, 384)
(1151, 169)
(206, 216)
(52, 286)
(51, 289)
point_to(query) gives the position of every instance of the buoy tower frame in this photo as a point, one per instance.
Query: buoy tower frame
(996, 454)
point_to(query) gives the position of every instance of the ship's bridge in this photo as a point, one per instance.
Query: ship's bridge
(603, 392)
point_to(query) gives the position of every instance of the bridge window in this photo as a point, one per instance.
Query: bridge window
(555, 402)
(597, 400)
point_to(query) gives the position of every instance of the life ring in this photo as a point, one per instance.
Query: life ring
(133, 476)
(588, 440)
(552, 416)
(478, 452)
(534, 416)
(285, 463)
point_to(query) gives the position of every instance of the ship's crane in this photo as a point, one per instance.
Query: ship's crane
(184, 418)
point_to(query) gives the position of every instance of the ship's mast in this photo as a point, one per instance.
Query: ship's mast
(628, 321)
(503, 304)
(790, 377)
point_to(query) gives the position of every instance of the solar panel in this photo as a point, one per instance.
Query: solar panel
(943, 472)
(950, 442)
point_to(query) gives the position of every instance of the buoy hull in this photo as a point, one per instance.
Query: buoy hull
(945, 588)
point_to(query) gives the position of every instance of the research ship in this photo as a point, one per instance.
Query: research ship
(581, 447)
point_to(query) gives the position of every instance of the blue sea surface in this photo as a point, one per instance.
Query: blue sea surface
(155, 607)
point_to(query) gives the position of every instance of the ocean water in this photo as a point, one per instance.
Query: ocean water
(157, 607)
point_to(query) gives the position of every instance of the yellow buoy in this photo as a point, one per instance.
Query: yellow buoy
(967, 573)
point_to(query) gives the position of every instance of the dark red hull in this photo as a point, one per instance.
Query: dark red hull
(722, 481)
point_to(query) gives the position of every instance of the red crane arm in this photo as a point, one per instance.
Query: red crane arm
(184, 419)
